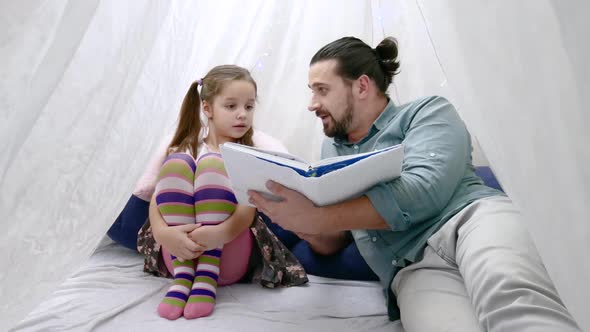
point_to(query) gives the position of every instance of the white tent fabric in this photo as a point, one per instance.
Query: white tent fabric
(88, 88)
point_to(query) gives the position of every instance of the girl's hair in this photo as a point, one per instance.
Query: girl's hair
(187, 135)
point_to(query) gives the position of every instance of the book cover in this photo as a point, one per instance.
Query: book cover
(325, 182)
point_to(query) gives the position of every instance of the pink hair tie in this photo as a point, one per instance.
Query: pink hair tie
(200, 81)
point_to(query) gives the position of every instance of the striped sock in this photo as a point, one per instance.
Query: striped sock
(214, 199)
(203, 293)
(175, 189)
(214, 203)
(175, 200)
(173, 304)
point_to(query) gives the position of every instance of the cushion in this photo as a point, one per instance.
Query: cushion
(134, 215)
(488, 177)
(345, 264)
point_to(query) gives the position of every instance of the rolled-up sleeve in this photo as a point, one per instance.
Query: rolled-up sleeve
(437, 151)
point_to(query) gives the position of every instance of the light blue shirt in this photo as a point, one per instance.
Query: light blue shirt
(437, 181)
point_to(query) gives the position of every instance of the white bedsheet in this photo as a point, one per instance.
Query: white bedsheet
(111, 293)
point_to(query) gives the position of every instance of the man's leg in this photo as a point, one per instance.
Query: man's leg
(487, 251)
(504, 274)
(431, 296)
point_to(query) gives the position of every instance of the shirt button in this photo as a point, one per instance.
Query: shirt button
(433, 154)
(394, 262)
(356, 147)
(374, 239)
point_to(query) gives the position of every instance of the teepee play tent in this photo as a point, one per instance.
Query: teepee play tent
(89, 89)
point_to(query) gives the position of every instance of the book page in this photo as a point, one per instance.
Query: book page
(248, 171)
(353, 157)
(353, 180)
(279, 158)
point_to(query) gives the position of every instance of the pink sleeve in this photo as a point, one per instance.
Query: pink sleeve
(267, 142)
(146, 184)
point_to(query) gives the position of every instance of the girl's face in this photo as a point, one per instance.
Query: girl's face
(232, 111)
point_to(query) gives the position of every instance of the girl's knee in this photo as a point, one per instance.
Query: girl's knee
(180, 157)
(210, 162)
(179, 164)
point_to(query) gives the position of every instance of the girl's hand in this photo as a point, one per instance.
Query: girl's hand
(176, 240)
(209, 236)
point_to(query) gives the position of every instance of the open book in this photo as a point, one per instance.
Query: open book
(325, 182)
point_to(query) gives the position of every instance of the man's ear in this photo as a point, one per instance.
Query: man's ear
(364, 83)
(207, 110)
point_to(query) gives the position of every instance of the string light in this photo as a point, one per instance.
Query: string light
(442, 69)
(260, 62)
(380, 19)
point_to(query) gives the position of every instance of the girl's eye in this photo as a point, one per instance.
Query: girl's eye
(230, 106)
(249, 107)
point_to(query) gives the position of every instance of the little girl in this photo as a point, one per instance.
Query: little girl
(193, 211)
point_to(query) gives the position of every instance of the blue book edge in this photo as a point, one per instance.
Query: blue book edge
(325, 169)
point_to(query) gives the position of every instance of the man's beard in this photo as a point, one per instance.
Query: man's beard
(340, 128)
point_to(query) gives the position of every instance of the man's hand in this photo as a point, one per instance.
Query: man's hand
(176, 240)
(295, 212)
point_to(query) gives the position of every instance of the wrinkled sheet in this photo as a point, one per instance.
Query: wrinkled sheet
(111, 293)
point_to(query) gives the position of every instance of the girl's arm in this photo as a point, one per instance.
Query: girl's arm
(238, 222)
(174, 238)
(213, 236)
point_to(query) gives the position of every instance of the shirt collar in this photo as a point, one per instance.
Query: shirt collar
(386, 116)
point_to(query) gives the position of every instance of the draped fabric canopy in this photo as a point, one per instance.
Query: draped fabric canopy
(88, 88)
